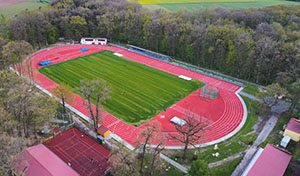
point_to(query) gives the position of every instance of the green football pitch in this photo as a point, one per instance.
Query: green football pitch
(139, 92)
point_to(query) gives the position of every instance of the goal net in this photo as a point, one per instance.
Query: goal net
(209, 92)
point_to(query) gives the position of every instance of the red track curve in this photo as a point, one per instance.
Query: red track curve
(227, 113)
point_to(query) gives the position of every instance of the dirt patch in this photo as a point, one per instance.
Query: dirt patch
(4, 3)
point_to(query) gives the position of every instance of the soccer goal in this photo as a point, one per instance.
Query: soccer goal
(209, 92)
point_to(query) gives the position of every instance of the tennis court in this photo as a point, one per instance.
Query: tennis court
(79, 151)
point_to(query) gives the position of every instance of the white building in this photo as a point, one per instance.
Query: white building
(93, 41)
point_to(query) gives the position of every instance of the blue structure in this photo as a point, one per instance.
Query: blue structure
(83, 49)
(44, 63)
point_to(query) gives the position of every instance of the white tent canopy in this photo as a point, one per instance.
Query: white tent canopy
(178, 121)
(285, 141)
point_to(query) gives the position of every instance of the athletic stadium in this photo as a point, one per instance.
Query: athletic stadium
(144, 88)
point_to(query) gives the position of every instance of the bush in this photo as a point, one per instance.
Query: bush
(199, 167)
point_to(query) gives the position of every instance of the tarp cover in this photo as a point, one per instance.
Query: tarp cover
(44, 63)
(285, 141)
(83, 49)
(178, 121)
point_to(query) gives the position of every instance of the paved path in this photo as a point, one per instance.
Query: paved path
(251, 97)
(174, 163)
(270, 124)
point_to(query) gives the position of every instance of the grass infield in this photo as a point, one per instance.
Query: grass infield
(139, 92)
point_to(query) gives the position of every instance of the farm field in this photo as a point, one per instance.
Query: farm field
(233, 4)
(183, 1)
(139, 92)
(15, 8)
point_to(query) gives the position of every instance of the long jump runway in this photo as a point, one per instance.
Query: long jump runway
(227, 113)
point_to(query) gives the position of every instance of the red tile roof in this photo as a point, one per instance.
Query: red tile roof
(272, 161)
(39, 160)
(294, 125)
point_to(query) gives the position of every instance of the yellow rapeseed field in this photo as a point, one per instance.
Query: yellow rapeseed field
(183, 1)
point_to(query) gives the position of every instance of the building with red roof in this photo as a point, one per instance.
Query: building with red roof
(293, 129)
(70, 153)
(271, 161)
(39, 160)
(103, 131)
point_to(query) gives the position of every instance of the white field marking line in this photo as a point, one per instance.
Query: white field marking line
(112, 124)
(118, 54)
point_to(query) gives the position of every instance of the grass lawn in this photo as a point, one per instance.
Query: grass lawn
(211, 4)
(139, 92)
(11, 11)
(226, 169)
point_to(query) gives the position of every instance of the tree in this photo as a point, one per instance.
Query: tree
(294, 94)
(64, 93)
(78, 25)
(145, 159)
(192, 131)
(147, 136)
(14, 54)
(10, 150)
(97, 91)
(272, 94)
(198, 168)
(123, 161)
(30, 109)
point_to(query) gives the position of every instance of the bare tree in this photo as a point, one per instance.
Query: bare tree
(98, 91)
(10, 150)
(64, 93)
(191, 131)
(149, 135)
(123, 161)
(156, 162)
(126, 162)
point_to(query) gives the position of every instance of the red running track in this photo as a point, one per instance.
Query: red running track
(226, 113)
(85, 155)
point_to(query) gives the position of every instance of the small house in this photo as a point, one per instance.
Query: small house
(293, 130)
(103, 131)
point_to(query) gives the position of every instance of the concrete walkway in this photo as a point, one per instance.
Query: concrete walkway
(270, 124)
(251, 97)
(174, 163)
(274, 115)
